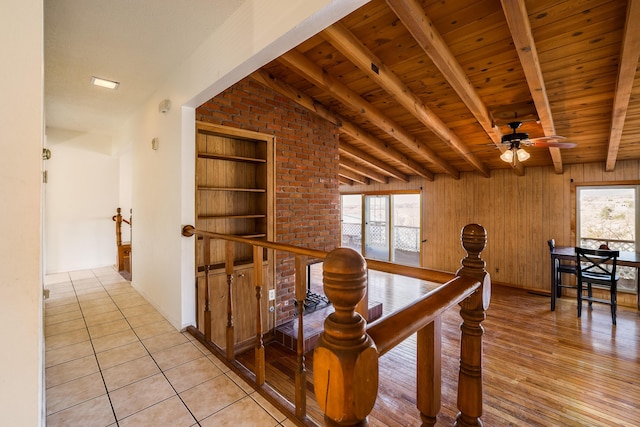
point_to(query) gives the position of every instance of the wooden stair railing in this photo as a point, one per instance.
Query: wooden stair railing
(346, 356)
(124, 248)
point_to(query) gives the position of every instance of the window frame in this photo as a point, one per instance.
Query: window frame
(575, 224)
(391, 226)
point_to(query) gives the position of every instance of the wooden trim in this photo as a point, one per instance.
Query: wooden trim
(221, 130)
(233, 158)
(250, 190)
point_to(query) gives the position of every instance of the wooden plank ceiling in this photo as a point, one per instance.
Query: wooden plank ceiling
(426, 87)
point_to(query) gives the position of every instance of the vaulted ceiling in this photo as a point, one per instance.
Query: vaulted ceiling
(425, 87)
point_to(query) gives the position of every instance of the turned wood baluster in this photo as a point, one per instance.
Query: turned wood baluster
(257, 276)
(429, 372)
(345, 368)
(228, 267)
(301, 373)
(207, 306)
(474, 239)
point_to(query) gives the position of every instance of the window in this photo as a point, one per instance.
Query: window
(607, 215)
(351, 208)
(383, 227)
(406, 229)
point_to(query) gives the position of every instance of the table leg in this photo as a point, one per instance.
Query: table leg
(554, 285)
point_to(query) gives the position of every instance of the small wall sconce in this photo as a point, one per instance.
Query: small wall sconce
(154, 143)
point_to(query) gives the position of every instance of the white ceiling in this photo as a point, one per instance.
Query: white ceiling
(135, 42)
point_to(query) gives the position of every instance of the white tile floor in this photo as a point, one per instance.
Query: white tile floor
(113, 360)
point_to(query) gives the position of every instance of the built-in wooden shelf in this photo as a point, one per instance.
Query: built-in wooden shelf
(248, 216)
(217, 156)
(235, 195)
(246, 236)
(248, 190)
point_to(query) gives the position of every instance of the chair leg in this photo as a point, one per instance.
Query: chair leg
(614, 304)
(579, 298)
(590, 294)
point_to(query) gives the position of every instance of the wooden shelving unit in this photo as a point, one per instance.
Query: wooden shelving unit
(235, 185)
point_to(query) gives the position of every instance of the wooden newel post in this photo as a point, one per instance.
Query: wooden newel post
(118, 219)
(474, 239)
(345, 358)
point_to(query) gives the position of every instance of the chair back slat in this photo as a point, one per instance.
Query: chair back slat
(597, 262)
(597, 267)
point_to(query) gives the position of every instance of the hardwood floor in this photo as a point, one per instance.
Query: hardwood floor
(541, 368)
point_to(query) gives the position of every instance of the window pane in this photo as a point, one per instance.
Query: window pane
(607, 216)
(406, 229)
(377, 227)
(352, 221)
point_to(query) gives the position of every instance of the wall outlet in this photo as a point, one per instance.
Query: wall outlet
(272, 294)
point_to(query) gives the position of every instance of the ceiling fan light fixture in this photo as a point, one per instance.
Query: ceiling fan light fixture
(522, 154)
(507, 156)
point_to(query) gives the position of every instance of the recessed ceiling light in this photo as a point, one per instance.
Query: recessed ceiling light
(97, 81)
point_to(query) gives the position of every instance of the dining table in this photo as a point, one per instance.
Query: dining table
(626, 258)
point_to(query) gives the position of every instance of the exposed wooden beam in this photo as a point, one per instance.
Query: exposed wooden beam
(425, 33)
(353, 176)
(343, 40)
(344, 125)
(381, 147)
(319, 77)
(345, 181)
(358, 168)
(518, 20)
(371, 161)
(629, 56)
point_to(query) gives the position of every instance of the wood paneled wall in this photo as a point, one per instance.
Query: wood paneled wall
(520, 214)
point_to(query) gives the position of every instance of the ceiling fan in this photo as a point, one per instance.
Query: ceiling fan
(516, 140)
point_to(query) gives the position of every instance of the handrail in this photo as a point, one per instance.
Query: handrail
(391, 330)
(115, 219)
(189, 230)
(346, 356)
(383, 266)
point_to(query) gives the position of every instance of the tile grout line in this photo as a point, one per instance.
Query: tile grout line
(162, 371)
(154, 361)
(95, 354)
(71, 280)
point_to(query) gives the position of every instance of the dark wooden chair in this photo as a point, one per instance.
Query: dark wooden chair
(561, 268)
(597, 267)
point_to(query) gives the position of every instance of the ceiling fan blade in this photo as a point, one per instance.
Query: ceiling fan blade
(552, 143)
(548, 141)
(547, 138)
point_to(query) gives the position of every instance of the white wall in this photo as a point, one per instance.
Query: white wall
(163, 180)
(124, 194)
(81, 197)
(21, 141)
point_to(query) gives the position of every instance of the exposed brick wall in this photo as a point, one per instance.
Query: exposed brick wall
(307, 194)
